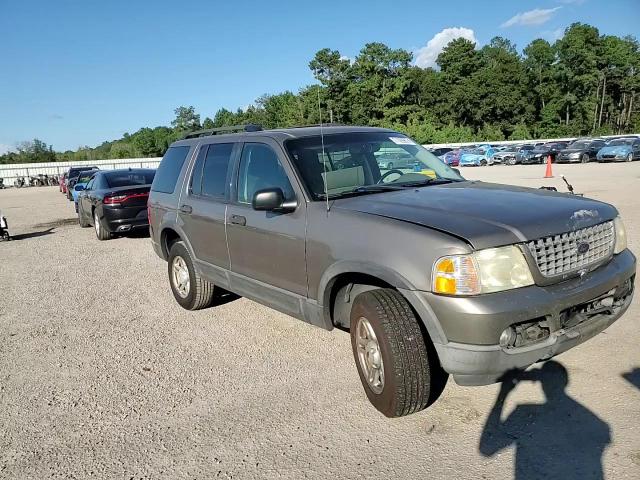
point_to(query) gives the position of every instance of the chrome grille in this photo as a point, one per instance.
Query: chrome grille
(558, 254)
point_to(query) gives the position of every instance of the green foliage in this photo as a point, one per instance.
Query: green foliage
(585, 83)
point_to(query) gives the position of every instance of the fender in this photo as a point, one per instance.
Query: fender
(391, 277)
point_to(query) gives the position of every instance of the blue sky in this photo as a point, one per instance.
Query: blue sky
(80, 72)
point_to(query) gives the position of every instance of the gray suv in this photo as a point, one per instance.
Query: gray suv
(430, 273)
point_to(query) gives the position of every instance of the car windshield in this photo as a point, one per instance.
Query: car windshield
(579, 145)
(350, 163)
(543, 148)
(527, 147)
(620, 141)
(128, 178)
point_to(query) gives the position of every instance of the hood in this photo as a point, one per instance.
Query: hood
(573, 150)
(485, 214)
(471, 156)
(616, 149)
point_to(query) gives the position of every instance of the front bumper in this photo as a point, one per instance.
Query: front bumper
(472, 326)
(568, 159)
(612, 158)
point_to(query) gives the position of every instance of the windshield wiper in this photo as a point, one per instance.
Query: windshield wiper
(427, 181)
(363, 190)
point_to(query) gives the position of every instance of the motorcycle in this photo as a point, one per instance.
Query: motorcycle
(2, 183)
(20, 182)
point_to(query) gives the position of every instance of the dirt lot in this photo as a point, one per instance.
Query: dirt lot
(103, 375)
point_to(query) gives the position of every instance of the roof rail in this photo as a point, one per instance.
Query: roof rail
(249, 127)
(334, 124)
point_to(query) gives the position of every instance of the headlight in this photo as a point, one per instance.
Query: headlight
(621, 235)
(484, 271)
(574, 155)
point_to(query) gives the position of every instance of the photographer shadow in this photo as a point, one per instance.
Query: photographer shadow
(633, 377)
(558, 439)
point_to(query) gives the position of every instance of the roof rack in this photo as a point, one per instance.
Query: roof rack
(249, 127)
(334, 124)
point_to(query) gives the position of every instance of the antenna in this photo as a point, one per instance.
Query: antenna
(324, 158)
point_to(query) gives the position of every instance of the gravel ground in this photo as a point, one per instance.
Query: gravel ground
(103, 375)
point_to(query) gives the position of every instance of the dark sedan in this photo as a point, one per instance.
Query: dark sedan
(580, 151)
(115, 201)
(72, 178)
(542, 152)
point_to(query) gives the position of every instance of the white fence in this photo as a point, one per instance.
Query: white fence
(9, 173)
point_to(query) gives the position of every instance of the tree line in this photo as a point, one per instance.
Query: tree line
(584, 83)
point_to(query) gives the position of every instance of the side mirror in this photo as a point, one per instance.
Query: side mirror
(272, 200)
(78, 188)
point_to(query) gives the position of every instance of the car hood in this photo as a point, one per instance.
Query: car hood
(485, 214)
(616, 149)
(573, 150)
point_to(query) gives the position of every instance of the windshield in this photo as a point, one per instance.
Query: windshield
(527, 147)
(357, 163)
(620, 141)
(579, 145)
(125, 179)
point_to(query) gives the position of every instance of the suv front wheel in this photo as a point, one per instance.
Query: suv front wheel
(190, 290)
(397, 364)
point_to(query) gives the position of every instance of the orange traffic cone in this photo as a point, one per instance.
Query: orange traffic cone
(548, 173)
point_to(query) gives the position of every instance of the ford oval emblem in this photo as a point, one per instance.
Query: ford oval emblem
(583, 247)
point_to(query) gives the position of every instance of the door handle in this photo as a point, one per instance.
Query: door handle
(238, 220)
(186, 209)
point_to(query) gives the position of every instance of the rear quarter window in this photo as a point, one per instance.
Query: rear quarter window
(169, 169)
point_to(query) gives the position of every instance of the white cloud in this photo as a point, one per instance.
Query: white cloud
(5, 148)
(537, 16)
(427, 55)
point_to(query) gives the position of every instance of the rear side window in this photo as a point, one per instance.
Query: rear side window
(195, 185)
(169, 169)
(214, 170)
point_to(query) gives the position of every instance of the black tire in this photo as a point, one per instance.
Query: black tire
(101, 232)
(630, 157)
(81, 221)
(201, 292)
(483, 163)
(413, 377)
(584, 158)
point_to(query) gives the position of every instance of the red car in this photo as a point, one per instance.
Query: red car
(62, 185)
(451, 158)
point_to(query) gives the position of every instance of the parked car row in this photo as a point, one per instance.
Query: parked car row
(111, 201)
(582, 150)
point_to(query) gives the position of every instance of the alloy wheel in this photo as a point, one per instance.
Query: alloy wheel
(369, 355)
(180, 276)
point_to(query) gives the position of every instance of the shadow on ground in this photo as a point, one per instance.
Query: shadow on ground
(24, 236)
(560, 438)
(633, 377)
(57, 223)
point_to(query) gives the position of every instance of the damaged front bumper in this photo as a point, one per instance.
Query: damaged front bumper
(545, 321)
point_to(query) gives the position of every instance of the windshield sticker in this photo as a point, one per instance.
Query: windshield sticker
(402, 141)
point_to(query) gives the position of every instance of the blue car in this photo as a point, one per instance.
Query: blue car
(477, 157)
(620, 150)
(80, 185)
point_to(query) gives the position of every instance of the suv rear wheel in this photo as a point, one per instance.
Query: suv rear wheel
(190, 290)
(398, 366)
